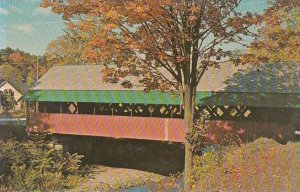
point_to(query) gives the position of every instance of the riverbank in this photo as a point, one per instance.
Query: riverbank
(102, 178)
(112, 164)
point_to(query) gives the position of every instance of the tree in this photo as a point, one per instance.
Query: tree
(33, 165)
(278, 38)
(168, 45)
(21, 66)
(8, 100)
(11, 74)
(4, 53)
(15, 57)
(65, 50)
(30, 78)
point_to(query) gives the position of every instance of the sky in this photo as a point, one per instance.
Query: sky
(26, 26)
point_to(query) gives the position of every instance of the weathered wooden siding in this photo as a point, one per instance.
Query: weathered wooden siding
(109, 126)
(151, 128)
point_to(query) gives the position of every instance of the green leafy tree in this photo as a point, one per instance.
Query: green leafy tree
(33, 165)
(11, 74)
(278, 38)
(8, 100)
(65, 50)
(30, 78)
(19, 66)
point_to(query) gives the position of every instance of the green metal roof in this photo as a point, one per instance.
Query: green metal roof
(290, 100)
(105, 96)
(156, 97)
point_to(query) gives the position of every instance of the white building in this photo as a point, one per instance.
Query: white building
(4, 85)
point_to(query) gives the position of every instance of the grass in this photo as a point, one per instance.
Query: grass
(263, 165)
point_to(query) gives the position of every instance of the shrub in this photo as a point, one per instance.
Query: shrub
(263, 165)
(10, 131)
(32, 165)
(8, 100)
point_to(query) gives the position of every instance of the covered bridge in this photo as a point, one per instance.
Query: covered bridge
(73, 100)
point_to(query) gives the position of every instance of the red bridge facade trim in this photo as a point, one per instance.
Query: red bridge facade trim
(148, 128)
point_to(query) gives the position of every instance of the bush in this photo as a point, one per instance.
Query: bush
(263, 165)
(8, 100)
(33, 165)
(10, 131)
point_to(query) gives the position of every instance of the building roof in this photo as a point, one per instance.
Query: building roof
(22, 87)
(156, 97)
(1, 81)
(89, 77)
(227, 85)
(270, 78)
(75, 77)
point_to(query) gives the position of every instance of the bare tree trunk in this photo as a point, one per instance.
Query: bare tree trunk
(188, 122)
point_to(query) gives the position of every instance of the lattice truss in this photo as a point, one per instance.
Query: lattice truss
(224, 112)
(175, 111)
(147, 110)
(124, 109)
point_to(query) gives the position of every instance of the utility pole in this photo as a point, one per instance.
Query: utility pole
(37, 69)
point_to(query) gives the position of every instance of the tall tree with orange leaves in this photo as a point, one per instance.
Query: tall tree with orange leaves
(167, 44)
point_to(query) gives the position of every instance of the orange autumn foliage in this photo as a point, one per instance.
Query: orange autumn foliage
(165, 45)
(158, 40)
(15, 57)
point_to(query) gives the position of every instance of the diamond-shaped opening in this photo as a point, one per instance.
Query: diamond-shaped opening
(120, 105)
(174, 110)
(140, 109)
(226, 106)
(220, 112)
(205, 112)
(72, 107)
(247, 113)
(151, 109)
(101, 108)
(163, 109)
(233, 112)
(127, 109)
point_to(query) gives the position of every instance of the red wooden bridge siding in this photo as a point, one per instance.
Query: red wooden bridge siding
(147, 128)
(109, 126)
